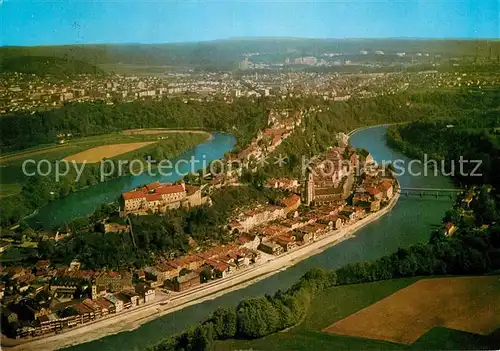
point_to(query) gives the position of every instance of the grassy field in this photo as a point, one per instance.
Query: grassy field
(338, 303)
(469, 304)
(12, 177)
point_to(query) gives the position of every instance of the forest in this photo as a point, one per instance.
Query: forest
(470, 251)
(474, 136)
(49, 66)
(243, 119)
(319, 130)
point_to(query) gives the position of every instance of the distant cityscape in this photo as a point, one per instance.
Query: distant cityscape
(28, 92)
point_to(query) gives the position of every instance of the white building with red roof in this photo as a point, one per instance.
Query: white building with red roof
(160, 197)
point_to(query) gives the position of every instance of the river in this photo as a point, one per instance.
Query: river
(85, 201)
(411, 221)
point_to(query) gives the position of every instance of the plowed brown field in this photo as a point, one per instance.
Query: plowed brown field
(470, 304)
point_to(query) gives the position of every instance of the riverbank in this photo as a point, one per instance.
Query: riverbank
(134, 318)
(357, 130)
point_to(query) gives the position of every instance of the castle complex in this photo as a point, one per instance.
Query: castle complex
(160, 197)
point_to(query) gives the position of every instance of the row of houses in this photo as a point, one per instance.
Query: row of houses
(286, 234)
(244, 221)
(373, 191)
(184, 272)
(74, 313)
(280, 126)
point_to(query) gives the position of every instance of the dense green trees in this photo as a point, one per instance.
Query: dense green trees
(319, 128)
(224, 322)
(466, 252)
(49, 66)
(243, 118)
(471, 135)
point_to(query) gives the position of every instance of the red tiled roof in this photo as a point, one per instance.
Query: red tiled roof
(191, 189)
(113, 274)
(153, 197)
(42, 264)
(133, 195)
(170, 189)
(221, 266)
(153, 186)
(284, 239)
(291, 200)
(386, 185)
(373, 191)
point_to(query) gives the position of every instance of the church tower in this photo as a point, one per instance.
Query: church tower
(309, 189)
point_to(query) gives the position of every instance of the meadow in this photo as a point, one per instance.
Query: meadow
(95, 148)
(338, 303)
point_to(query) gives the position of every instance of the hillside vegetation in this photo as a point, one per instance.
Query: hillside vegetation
(48, 66)
(225, 52)
(474, 137)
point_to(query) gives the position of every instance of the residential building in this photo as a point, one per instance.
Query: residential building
(271, 248)
(186, 281)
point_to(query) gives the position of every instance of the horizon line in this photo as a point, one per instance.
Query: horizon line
(250, 38)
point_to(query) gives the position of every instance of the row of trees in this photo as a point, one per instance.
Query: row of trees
(243, 118)
(467, 252)
(472, 137)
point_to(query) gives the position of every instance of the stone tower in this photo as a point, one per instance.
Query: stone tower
(309, 189)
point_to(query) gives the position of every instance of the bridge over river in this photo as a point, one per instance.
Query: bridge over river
(434, 192)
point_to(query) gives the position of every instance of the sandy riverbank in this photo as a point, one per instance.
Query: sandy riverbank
(134, 318)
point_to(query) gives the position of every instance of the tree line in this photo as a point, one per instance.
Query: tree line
(472, 136)
(242, 118)
(318, 130)
(469, 251)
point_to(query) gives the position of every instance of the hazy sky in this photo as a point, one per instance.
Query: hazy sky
(40, 22)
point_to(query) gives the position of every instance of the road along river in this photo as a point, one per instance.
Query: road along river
(409, 222)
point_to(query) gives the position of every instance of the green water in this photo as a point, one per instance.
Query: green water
(410, 222)
(85, 201)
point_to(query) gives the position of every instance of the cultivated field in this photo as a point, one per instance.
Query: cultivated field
(93, 149)
(99, 153)
(470, 304)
